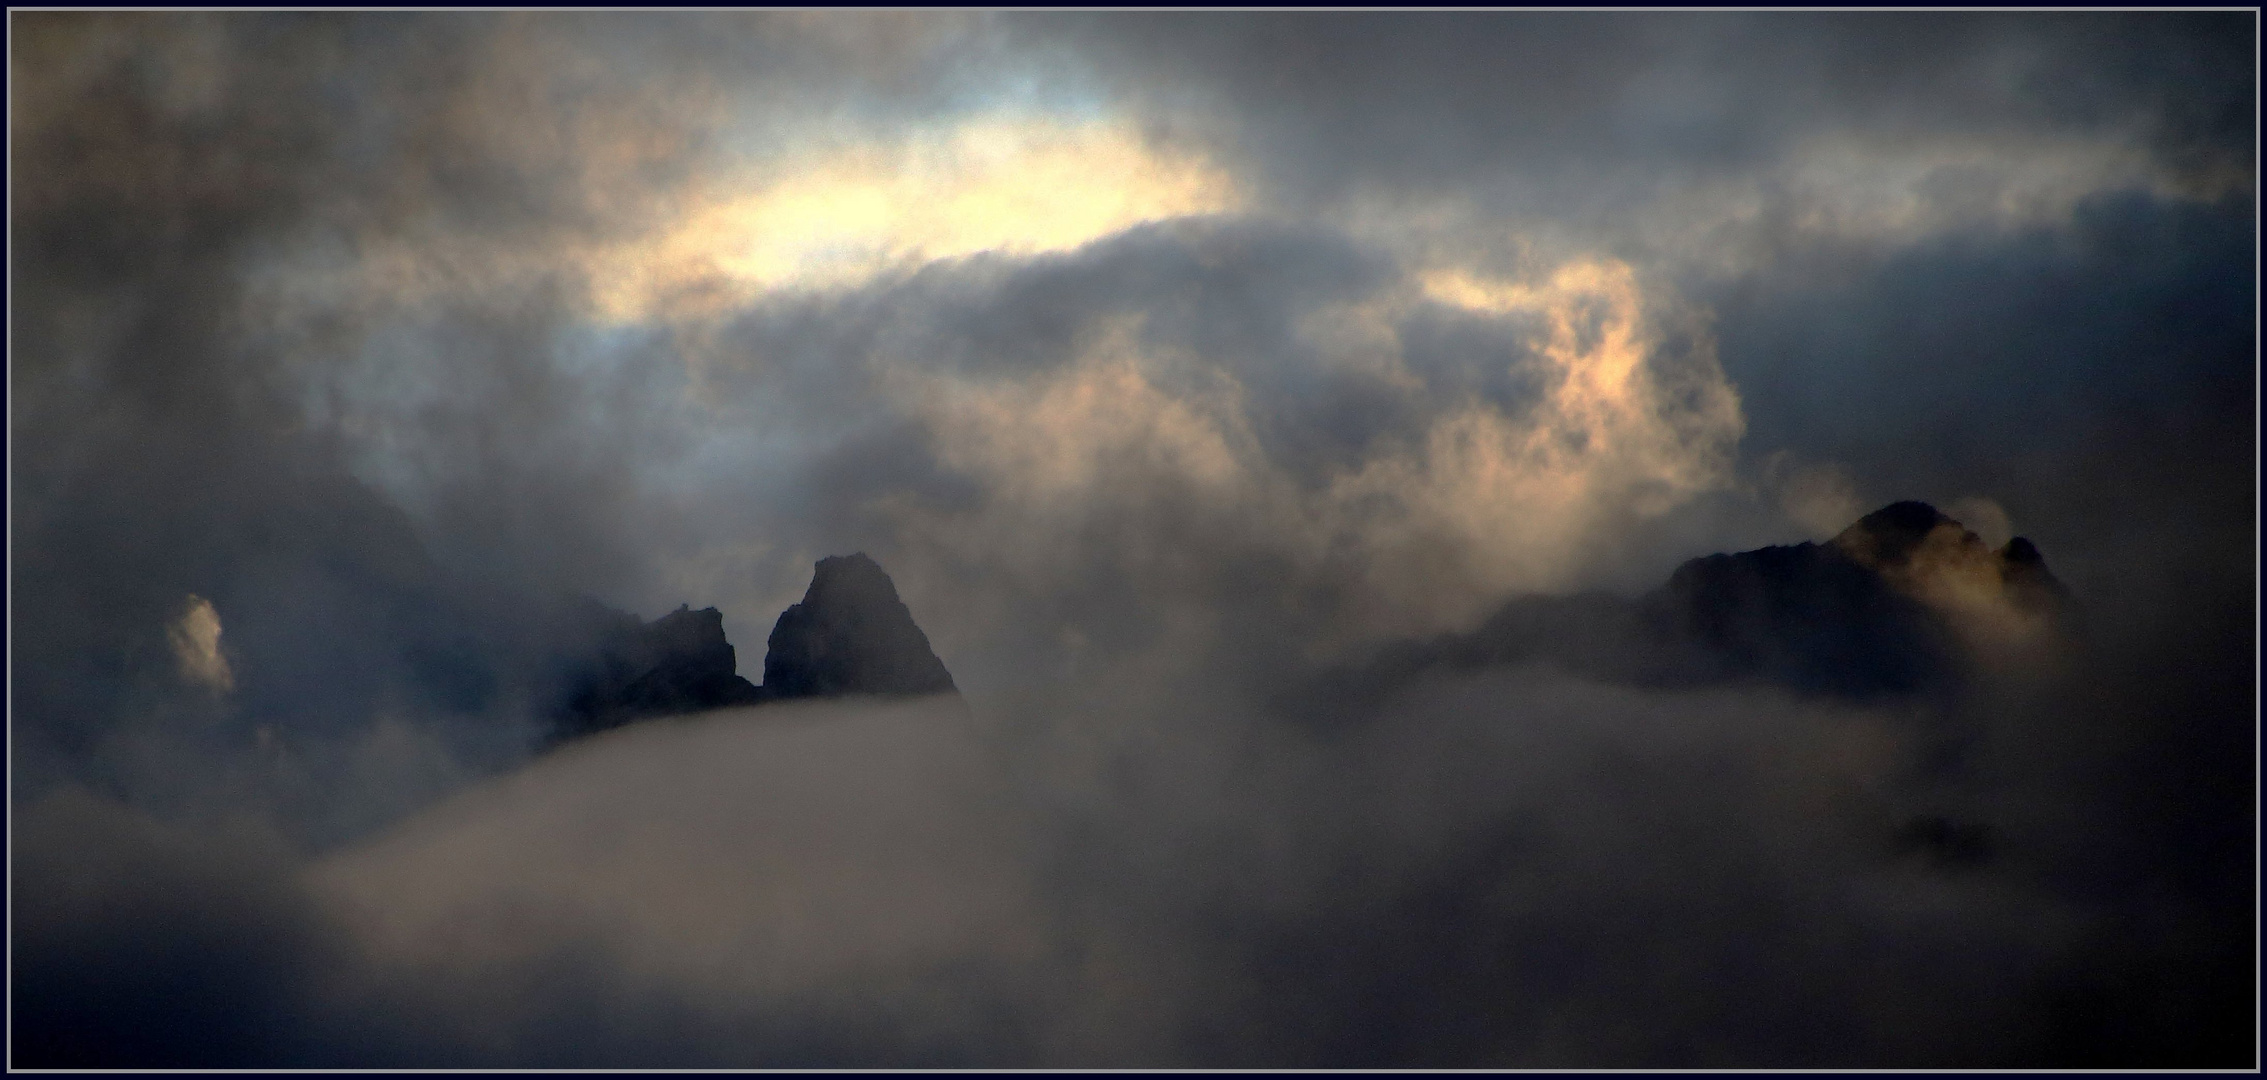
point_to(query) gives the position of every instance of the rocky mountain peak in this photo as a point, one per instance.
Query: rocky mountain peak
(851, 634)
(1896, 605)
(1934, 557)
(1889, 536)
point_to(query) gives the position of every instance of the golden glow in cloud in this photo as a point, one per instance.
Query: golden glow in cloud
(1486, 501)
(1019, 186)
(1963, 575)
(195, 638)
(1521, 498)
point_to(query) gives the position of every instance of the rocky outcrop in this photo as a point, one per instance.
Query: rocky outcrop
(1891, 535)
(678, 663)
(1807, 616)
(1897, 604)
(851, 634)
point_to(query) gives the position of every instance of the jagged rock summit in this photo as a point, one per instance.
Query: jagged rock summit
(1883, 607)
(1891, 606)
(1890, 535)
(851, 634)
(1932, 557)
(677, 663)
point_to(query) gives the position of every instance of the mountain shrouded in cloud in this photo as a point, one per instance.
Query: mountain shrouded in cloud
(1429, 517)
(1879, 610)
(1900, 603)
(849, 635)
(678, 663)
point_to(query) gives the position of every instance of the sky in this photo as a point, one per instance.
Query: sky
(1170, 363)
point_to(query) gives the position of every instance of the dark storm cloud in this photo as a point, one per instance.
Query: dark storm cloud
(1588, 105)
(2115, 346)
(321, 319)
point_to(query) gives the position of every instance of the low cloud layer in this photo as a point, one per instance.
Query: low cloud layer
(1173, 366)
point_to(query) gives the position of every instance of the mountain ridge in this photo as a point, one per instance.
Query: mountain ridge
(850, 634)
(1883, 609)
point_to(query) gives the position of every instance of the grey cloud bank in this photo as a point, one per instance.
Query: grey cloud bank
(1173, 366)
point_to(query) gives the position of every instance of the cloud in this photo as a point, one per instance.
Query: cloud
(741, 859)
(1623, 423)
(1575, 106)
(1020, 185)
(1509, 867)
(1822, 497)
(1166, 362)
(1987, 518)
(195, 638)
(140, 944)
(1489, 470)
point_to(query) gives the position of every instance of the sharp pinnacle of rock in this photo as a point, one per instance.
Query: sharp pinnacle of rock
(678, 663)
(850, 635)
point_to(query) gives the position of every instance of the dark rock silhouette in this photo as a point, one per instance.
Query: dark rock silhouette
(1806, 616)
(1890, 535)
(849, 635)
(1894, 539)
(1849, 618)
(2024, 571)
(678, 663)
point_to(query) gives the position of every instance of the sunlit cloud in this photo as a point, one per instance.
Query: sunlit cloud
(1490, 498)
(1055, 436)
(195, 638)
(1954, 571)
(837, 216)
(1623, 426)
